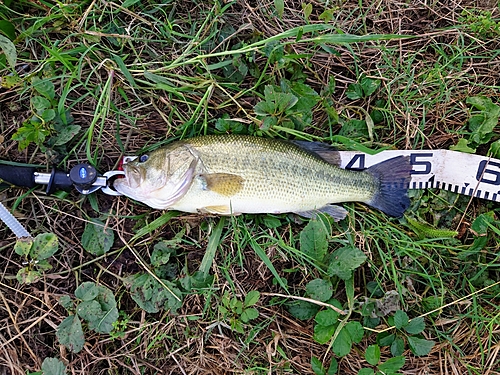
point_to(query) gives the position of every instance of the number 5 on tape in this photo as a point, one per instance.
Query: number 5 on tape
(468, 174)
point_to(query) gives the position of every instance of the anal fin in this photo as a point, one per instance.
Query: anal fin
(217, 210)
(336, 212)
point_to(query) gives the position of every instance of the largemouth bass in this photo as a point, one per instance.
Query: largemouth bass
(234, 174)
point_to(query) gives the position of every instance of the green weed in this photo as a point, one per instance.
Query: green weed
(35, 252)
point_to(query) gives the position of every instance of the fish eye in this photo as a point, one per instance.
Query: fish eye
(143, 158)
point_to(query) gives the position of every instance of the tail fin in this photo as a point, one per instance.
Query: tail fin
(394, 176)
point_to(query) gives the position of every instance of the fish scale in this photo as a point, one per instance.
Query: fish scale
(285, 173)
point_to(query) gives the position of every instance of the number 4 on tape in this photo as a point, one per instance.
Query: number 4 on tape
(468, 174)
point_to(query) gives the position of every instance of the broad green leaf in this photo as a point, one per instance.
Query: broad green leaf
(307, 9)
(420, 346)
(308, 96)
(369, 85)
(44, 246)
(482, 125)
(275, 102)
(317, 366)
(27, 276)
(48, 115)
(97, 240)
(400, 319)
(271, 222)
(354, 91)
(462, 146)
(344, 261)
(268, 123)
(43, 265)
(44, 87)
(372, 355)
(23, 246)
(101, 312)
(333, 369)
(87, 291)
(343, 343)
(416, 326)
(10, 81)
(151, 296)
(494, 150)
(9, 49)
(263, 108)
(327, 15)
(66, 302)
(284, 101)
(8, 29)
(53, 366)
(355, 129)
(392, 365)
(302, 310)
(314, 240)
(161, 254)
(480, 223)
(66, 134)
(320, 289)
(70, 334)
(356, 331)
(106, 298)
(323, 334)
(280, 7)
(251, 298)
(397, 347)
(480, 102)
(385, 338)
(249, 314)
(327, 317)
(105, 323)
(39, 103)
(196, 281)
(365, 371)
(90, 310)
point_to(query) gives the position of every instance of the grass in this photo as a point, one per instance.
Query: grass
(135, 75)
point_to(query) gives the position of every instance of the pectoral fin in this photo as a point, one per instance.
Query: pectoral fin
(336, 212)
(223, 183)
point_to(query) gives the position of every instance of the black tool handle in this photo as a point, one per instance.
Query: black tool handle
(19, 176)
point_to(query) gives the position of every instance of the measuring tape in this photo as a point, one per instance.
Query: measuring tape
(468, 174)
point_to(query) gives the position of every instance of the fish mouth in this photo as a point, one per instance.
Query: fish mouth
(134, 176)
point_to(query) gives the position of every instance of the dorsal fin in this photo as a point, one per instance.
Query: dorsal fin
(322, 150)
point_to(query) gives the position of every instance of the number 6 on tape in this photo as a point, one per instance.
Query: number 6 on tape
(468, 174)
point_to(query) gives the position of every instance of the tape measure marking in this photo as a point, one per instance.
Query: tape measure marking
(462, 173)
